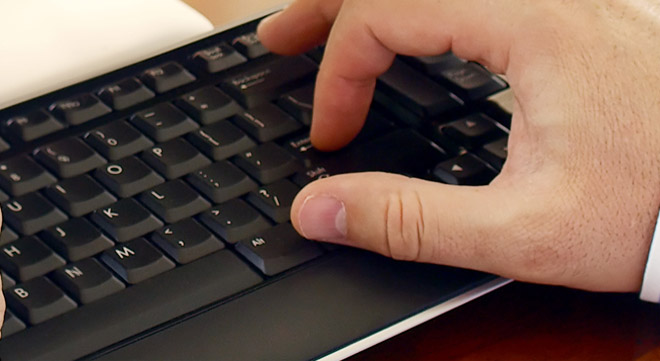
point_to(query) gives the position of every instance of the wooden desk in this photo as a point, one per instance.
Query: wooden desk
(518, 322)
(531, 322)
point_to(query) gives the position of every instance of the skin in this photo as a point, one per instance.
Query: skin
(577, 200)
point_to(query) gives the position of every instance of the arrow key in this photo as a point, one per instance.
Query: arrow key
(186, 241)
(465, 169)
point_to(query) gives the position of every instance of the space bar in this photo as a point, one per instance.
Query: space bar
(134, 310)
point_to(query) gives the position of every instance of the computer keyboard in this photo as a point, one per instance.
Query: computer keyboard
(149, 193)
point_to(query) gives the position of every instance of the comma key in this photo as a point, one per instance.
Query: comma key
(186, 241)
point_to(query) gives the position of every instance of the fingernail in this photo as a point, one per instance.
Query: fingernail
(323, 218)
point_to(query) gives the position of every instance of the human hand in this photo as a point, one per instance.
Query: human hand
(577, 199)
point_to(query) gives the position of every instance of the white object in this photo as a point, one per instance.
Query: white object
(49, 44)
(651, 284)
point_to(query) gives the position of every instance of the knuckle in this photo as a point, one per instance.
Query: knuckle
(404, 226)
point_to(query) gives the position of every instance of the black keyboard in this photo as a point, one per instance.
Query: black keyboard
(147, 194)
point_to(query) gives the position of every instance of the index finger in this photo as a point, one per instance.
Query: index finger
(367, 34)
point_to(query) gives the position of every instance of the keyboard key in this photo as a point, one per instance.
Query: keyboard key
(221, 181)
(402, 151)
(186, 241)
(174, 201)
(4, 146)
(38, 300)
(163, 122)
(299, 103)
(175, 158)
(79, 195)
(166, 77)
(472, 131)
(28, 258)
(79, 109)
(266, 122)
(117, 140)
(250, 45)
(31, 213)
(87, 280)
(136, 261)
(471, 81)
(435, 64)
(76, 239)
(495, 152)
(31, 126)
(218, 58)
(69, 157)
(11, 325)
(464, 170)
(416, 92)
(21, 175)
(221, 140)
(125, 93)
(267, 163)
(7, 235)
(7, 282)
(278, 249)
(268, 81)
(128, 177)
(126, 220)
(166, 297)
(275, 199)
(208, 105)
(234, 220)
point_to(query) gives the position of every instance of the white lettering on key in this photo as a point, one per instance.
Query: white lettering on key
(209, 138)
(21, 292)
(256, 242)
(157, 195)
(124, 252)
(60, 231)
(12, 251)
(115, 169)
(109, 213)
(73, 272)
(15, 206)
(158, 152)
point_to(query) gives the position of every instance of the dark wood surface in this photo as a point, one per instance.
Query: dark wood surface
(532, 322)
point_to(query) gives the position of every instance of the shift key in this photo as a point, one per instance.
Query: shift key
(266, 82)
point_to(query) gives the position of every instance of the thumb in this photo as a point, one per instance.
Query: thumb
(412, 219)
